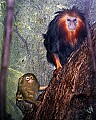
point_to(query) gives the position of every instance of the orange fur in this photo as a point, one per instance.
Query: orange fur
(71, 36)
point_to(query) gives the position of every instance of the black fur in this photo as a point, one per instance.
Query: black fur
(54, 41)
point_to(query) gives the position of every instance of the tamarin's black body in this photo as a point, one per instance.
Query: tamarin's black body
(62, 38)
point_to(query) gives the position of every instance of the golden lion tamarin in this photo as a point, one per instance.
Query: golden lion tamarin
(66, 32)
(27, 92)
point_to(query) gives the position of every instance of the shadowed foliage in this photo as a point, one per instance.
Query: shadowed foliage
(72, 94)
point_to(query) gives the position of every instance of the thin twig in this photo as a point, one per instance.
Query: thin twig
(87, 10)
(19, 35)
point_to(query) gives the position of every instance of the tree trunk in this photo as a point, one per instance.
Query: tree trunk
(72, 94)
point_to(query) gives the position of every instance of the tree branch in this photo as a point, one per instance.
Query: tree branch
(5, 56)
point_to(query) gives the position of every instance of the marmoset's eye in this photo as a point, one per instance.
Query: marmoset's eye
(31, 77)
(27, 78)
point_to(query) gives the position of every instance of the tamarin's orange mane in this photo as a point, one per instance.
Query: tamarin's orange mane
(71, 36)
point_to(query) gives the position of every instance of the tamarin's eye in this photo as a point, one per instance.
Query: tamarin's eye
(75, 20)
(27, 78)
(68, 20)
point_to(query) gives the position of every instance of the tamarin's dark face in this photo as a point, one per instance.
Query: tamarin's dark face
(71, 24)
